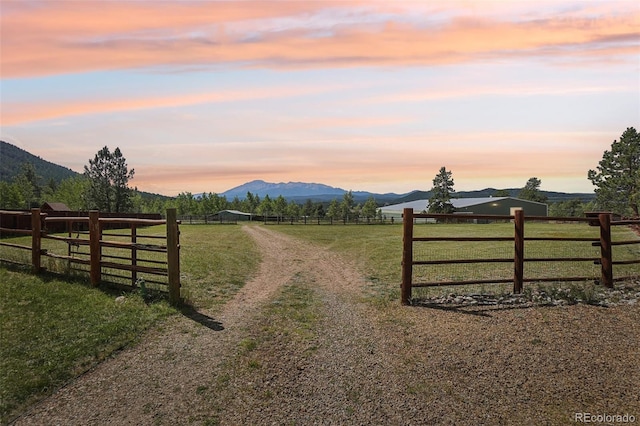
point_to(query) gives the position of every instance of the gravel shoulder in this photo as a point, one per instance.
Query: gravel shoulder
(351, 362)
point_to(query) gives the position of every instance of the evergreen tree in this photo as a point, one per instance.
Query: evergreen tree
(347, 205)
(369, 208)
(293, 210)
(441, 193)
(120, 182)
(280, 207)
(266, 207)
(333, 212)
(617, 177)
(531, 191)
(10, 196)
(109, 177)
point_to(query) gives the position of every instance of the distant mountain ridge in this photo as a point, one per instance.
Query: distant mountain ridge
(12, 158)
(301, 191)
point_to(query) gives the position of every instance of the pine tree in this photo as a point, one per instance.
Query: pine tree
(617, 177)
(109, 177)
(531, 191)
(441, 193)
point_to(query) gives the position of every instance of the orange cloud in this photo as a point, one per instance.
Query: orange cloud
(18, 113)
(64, 37)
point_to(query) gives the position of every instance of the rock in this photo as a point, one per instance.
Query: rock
(121, 299)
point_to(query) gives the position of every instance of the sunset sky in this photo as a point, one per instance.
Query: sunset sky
(202, 96)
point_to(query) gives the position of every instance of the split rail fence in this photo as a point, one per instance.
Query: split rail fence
(104, 256)
(605, 260)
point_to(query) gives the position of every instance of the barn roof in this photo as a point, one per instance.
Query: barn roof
(235, 212)
(58, 207)
(458, 203)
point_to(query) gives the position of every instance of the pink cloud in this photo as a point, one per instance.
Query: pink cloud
(63, 37)
(18, 113)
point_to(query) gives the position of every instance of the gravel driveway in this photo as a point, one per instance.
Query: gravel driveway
(360, 363)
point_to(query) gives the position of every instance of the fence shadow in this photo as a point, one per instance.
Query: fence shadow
(480, 310)
(202, 319)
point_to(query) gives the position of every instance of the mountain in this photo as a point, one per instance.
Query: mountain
(12, 158)
(301, 191)
(287, 190)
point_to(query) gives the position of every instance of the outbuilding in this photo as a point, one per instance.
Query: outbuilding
(502, 206)
(232, 216)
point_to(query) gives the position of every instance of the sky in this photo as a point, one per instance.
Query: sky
(202, 96)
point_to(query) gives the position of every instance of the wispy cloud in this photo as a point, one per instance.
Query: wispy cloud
(43, 38)
(19, 113)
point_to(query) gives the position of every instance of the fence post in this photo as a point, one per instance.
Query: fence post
(95, 251)
(173, 257)
(518, 259)
(606, 261)
(134, 254)
(36, 240)
(407, 256)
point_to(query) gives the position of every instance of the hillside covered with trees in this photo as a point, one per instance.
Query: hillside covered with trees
(13, 158)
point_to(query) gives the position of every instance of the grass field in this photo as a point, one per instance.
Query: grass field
(53, 328)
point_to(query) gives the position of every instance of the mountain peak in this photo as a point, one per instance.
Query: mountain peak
(287, 190)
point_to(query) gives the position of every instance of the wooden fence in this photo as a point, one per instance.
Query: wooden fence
(605, 260)
(101, 264)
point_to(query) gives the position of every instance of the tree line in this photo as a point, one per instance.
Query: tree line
(104, 186)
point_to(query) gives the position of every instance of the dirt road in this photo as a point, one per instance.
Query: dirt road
(357, 363)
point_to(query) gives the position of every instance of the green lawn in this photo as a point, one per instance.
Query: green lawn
(52, 330)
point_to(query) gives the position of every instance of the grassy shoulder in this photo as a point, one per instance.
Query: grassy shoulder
(215, 261)
(52, 330)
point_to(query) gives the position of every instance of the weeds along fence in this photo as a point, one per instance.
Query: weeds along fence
(554, 250)
(117, 251)
(277, 220)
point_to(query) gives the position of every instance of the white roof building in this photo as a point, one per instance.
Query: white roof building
(484, 205)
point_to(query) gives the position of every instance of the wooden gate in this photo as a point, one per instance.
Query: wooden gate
(605, 260)
(99, 234)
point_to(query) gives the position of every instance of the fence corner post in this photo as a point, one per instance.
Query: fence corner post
(36, 240)
(518, 259)
(407, 256)
(173, 257)
(95, 248)
(606, 261)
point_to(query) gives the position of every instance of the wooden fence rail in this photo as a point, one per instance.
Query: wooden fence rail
(605, 260)
(100, 264)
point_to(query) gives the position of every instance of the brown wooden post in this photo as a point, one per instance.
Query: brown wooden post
(518, 259)
(606, 261)
(407, 256)
(173, 257)
(134, 254)
(36, 240)
(95, 250)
